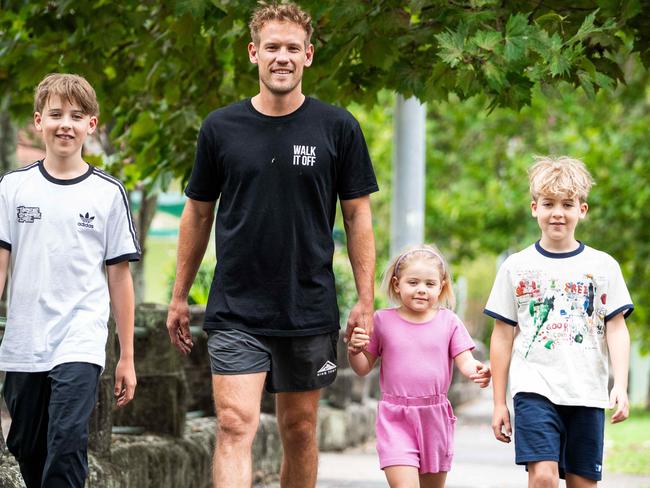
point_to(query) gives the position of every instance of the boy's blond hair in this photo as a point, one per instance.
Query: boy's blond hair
(561, 176)
(282, 12)
(69, 87)
(426, 252)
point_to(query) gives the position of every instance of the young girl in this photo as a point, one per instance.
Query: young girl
(417, 342)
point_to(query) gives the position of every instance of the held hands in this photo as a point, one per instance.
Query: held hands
(482, 375)
(125, 381)
(360, 316)
(359, 340)
(618, 399)
(178, 326)
(501, 423)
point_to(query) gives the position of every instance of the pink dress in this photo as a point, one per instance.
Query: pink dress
(415, 421)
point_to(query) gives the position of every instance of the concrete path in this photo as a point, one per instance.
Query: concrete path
(480, 461)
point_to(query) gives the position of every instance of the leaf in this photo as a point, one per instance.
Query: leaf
(516, 37)
(586, 84)
(495, 76)
(451, 47)
(586, 28)
(559, 65)
(487, 40)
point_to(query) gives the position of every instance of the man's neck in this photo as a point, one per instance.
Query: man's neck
(63, 168)
(277, 105)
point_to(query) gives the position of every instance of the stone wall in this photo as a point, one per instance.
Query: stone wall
(165, 437)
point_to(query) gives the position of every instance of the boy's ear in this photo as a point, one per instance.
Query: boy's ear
(92, 124)
(583, 210)
(533, 208)
(37, 121)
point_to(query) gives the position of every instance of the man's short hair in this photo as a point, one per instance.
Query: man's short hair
(282, 12)
(561, 176)
(69, 87)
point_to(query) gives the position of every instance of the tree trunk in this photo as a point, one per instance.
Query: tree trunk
(143, 219)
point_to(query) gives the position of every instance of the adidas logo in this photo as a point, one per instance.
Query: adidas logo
(86, 221)
(327, 368)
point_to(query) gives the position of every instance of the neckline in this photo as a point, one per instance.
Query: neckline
(395, 310)
(60, 181)
(276, 118)
(559, 255)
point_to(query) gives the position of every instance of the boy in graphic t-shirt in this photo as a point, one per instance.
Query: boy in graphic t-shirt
(560, 309)
(67, 233)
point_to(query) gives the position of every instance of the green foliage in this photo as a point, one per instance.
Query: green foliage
(200, 290)
(160, 67)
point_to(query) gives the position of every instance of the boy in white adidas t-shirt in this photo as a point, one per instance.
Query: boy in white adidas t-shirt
(560, 309)
(67, 234)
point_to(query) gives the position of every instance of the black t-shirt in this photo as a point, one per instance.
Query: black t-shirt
(277, 180)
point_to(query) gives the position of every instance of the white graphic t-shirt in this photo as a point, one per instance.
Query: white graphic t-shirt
(61, 234)
(560, 304)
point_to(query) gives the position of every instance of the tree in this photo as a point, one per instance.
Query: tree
(160, 67)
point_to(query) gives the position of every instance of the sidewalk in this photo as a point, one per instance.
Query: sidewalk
(480, 461)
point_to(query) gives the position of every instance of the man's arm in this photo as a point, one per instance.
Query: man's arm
(357, 219)
(120, 287)
(618, 343)
(503, 336)
(193, 237)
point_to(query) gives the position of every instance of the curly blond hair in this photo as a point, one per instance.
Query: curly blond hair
(559, 176)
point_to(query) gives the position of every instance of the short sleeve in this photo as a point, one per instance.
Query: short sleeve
(205, 181)
(501, 304)
(5, 218)
(460, 340)
(375, 347)
(121, 238)
(618, 298)
(356, 177)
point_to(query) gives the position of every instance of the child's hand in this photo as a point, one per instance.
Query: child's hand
(618, 399)
(358, 341)
(482, 375)
(501, 423)
(125, 382)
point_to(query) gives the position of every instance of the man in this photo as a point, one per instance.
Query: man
(277, 163)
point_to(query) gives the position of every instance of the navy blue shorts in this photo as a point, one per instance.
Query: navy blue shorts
(572, 436)
(292, 364)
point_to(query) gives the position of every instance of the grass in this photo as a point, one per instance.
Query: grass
(628, 444)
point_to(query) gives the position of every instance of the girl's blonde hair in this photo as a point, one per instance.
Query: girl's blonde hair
(399, 263)
(561, 176)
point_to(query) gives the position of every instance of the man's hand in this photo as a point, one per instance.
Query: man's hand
(618, 398)
(124, 381)
(501, 423)
(178, 326)
(360, 316)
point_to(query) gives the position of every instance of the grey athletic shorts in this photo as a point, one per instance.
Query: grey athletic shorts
(292, 363)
